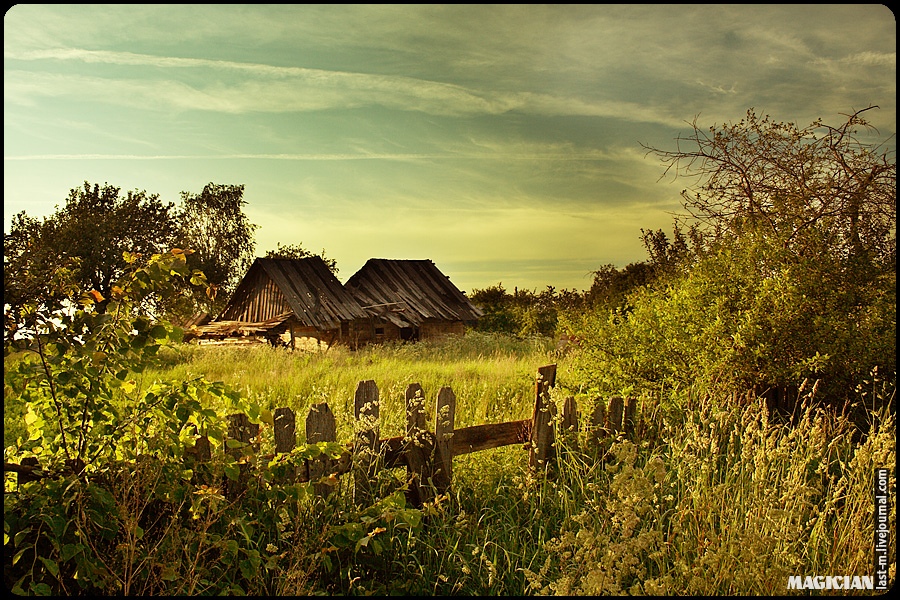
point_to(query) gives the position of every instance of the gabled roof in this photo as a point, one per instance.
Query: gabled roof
(305, 287)
(409, 292)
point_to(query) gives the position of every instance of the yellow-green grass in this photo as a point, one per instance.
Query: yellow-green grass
(724, 500)
(492, 376)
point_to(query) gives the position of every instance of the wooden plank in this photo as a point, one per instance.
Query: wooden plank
(570, 415)
(616, 407)
(486, 437)
(285, 432)
(569, 424)
(628, 420)
(444, 416)
(365, 450)
(598, 421)
(241, 429)
(416, 457)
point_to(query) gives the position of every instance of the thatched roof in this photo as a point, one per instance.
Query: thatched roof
(305, 288)
(409, 292)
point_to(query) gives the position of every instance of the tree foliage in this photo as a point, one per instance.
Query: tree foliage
(811, 189)
(214, 225)
(297, 251)
(117, 505)
(524, 312)
(87, 237)
(83, 243)
(786, 274)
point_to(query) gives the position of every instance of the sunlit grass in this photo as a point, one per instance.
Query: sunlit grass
(492, 376)
(725, 499)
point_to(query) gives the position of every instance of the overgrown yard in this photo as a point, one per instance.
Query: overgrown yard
(723, 500)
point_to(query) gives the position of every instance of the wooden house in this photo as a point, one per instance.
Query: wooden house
(294, 300)
(410, 300)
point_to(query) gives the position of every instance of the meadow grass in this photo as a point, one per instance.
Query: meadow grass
(724, 499)
(492, 376)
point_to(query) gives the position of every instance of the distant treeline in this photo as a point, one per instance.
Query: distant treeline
(525, 312)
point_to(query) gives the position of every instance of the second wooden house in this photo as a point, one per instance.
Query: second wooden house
(410, 300)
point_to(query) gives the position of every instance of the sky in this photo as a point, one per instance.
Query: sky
(503, 142)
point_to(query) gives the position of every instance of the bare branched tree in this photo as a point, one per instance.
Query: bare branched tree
(792, 184)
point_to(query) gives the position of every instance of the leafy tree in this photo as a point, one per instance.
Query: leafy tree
(113, 448)
(214, 225)
(522, 313)
(30, 273)
(87, 237)
(297, 251)
(611, 286)
(790, 277)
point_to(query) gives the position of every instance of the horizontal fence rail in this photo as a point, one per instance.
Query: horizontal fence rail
(427, 454)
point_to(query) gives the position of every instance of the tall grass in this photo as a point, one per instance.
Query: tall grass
(730, 502)
(724, 499)
(491, 375)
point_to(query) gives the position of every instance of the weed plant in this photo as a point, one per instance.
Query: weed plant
(721, 499)
(728, 502)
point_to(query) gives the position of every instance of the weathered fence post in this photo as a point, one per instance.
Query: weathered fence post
(616, 407)
(598, 422)
(365, 449)
(26, 476)
(285, 432)
(628, 420)
(569, 423)
(542, 450)
(414, 445)
(444, 416)
(241, 429)
(197, 455)
(320, 427)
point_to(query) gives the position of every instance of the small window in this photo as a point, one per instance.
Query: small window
(379, 331)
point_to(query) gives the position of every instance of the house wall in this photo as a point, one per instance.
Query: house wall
(368, 331)
(435, 329)
(263, 300)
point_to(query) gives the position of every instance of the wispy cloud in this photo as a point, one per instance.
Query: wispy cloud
(268, 88)
(586, 156)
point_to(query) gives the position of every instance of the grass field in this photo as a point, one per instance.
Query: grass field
(725, 501)
(492, 376)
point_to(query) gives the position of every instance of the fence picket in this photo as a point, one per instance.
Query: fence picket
(241, 429)
(320, 427)
(416, 445)
(444, 416)
(365, 451)
(285, 432)
(614, 414)
(542, 435)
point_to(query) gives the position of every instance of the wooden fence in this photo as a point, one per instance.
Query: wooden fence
(426, 454)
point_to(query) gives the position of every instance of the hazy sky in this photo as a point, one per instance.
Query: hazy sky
(502, 142)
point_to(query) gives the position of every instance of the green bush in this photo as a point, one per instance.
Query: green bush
(745, 314)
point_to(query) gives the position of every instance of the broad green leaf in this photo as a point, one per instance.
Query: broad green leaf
(265, 415)
(40, 589)
(17, 539)
(51, 566)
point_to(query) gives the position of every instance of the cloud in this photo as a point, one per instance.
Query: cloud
(268, 88)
